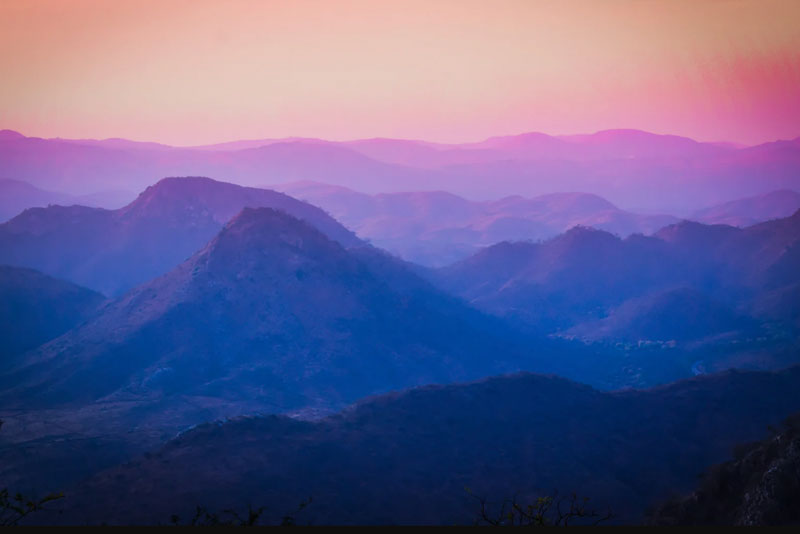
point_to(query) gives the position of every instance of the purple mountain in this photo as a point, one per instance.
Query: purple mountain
(751, 210)
(270, 315)
(631, 168)
(689, 281)
(16, 197)
(435, 228)
(113, 250)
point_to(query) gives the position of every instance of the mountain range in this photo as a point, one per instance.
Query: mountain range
(687, 286)
(656, 173)
(275, 316)
(689, 282)
(229, 301)
(435, 228)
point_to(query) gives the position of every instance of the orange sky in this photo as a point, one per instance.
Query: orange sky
(193, 71)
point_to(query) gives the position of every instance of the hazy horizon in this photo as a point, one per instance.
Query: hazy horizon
(204, 72)
(290, 138)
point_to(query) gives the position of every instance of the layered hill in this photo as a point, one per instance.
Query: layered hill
(673, 281)
(35, 308)
(406, 458)
(555, 283)
(751, 210)
(660, 173)
(274, 315)
(435, 228)
(17, 196)
(113, 250)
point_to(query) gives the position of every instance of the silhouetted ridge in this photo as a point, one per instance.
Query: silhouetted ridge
(405, 458)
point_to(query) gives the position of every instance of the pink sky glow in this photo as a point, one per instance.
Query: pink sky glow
(189, 72)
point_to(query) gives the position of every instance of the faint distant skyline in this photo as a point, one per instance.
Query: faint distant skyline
(186, 72)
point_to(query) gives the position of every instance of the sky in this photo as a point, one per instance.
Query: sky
(187, 72)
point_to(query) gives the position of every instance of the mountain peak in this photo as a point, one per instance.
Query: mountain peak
(255, 238)
(203, 201)
(252, 221)
(196, 197)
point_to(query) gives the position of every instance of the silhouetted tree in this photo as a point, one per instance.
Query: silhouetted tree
(231, 518)
(14, 507)
(550, 510)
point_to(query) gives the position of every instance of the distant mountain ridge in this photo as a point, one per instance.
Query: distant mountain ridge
(435, 228)
(752, 210)
(659, 173)
(17, 196)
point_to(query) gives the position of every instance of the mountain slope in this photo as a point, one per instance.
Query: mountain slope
(682, 314)
(751, 210)
(758, 488)
(114, 250)
(406, 458)
(583, 274)
(272, 314)
(572, 277)
(35, 308)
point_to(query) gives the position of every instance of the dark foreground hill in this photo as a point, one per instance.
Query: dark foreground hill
(35, 308)
(407, 457)
(761, 486)
(112, 251)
